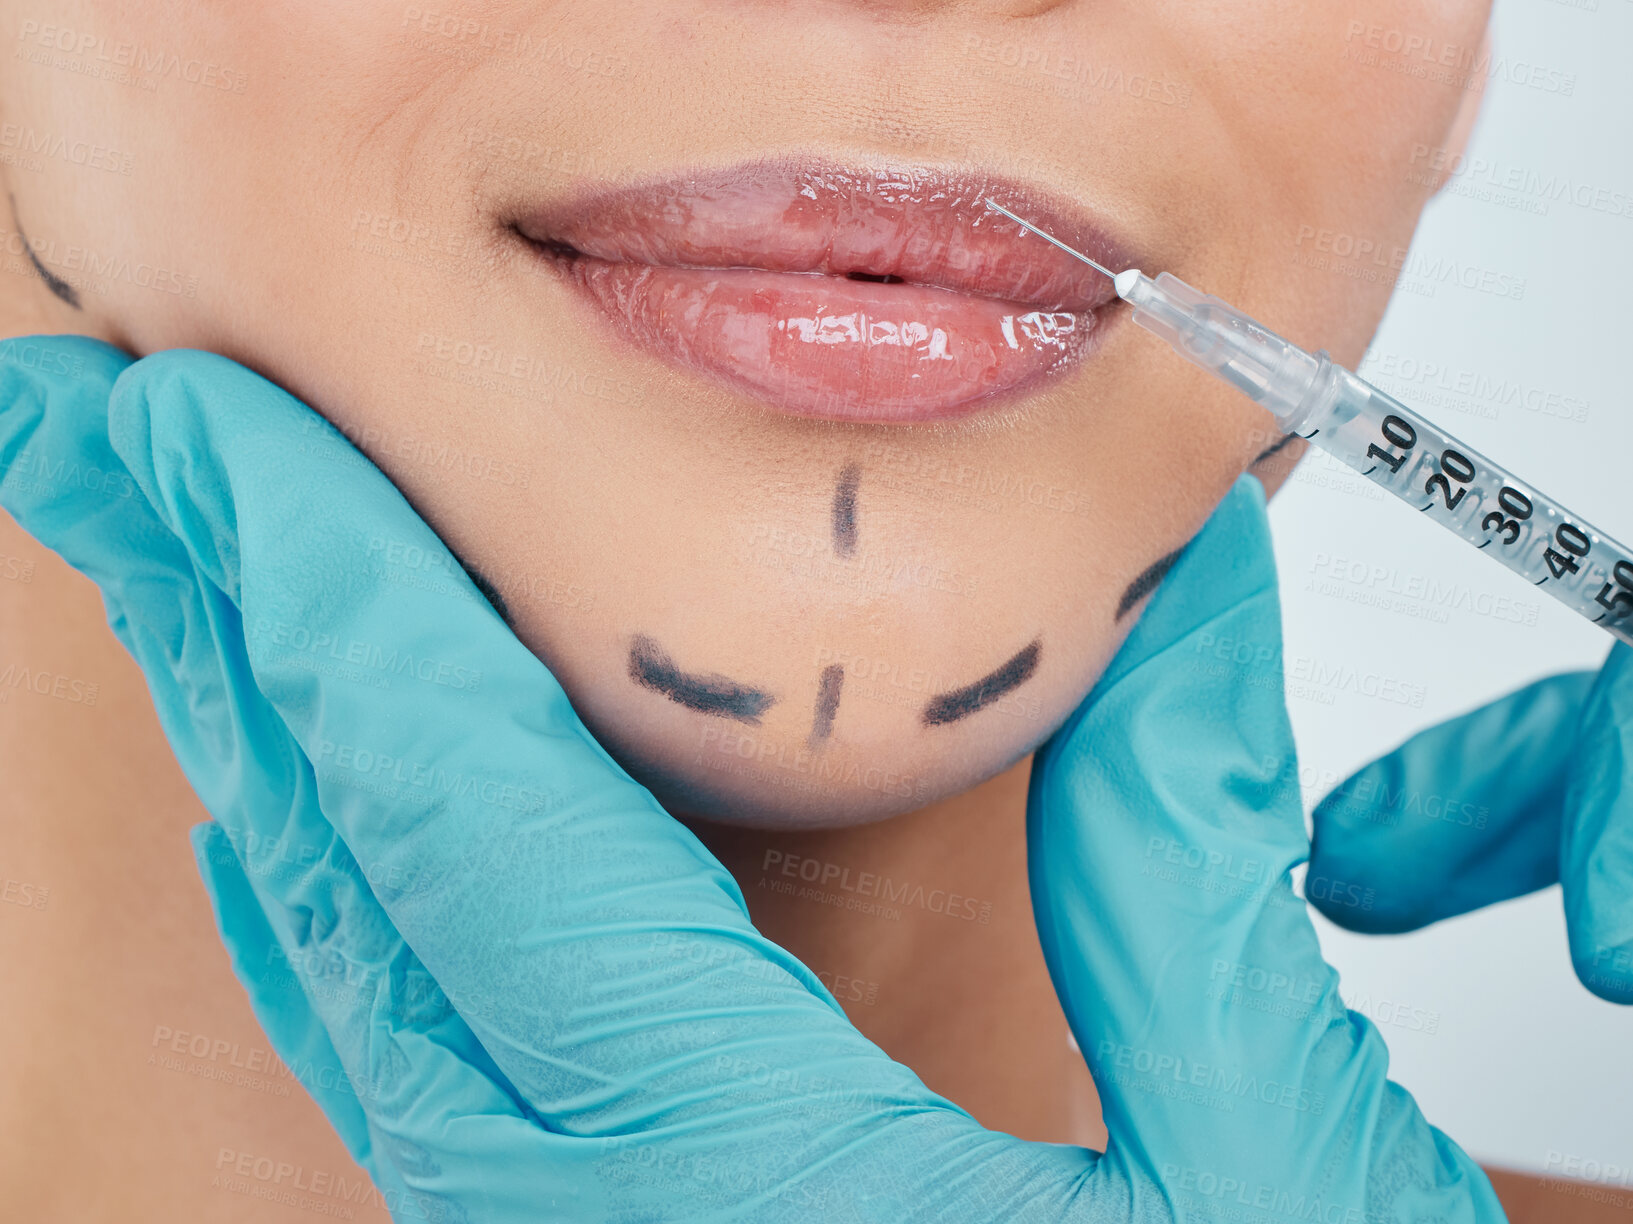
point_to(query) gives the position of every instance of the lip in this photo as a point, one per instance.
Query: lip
(888, 294)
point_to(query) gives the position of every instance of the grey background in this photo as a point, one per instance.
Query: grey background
(1524, 1068)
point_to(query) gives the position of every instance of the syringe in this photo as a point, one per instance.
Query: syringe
(1388, 443)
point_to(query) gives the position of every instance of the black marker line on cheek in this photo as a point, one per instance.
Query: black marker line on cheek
(1150, 578)
(960, 703)
(708, 693)
(844, 511)
(56, 284)
(827, 702)
(1271, 450)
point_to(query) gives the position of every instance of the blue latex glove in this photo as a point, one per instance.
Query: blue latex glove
(1525, 792)
(522, 991)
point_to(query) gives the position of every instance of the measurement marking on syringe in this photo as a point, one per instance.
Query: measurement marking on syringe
(1298, 387)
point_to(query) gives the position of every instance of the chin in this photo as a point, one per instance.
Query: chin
(880, 761)
(733, 775)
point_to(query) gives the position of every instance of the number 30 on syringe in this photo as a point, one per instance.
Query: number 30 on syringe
(1451, 483)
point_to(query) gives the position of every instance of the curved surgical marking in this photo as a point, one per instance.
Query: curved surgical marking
(651, 667)
(844, 512)
(827, 702)
(56, 284)
(1148, 581)
(1271, 450)
(950, 707)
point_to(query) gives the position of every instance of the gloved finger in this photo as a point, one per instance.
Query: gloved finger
(1462, 815)
(1164, 823)
(296, 1033)
(1596, 849)
(61, 479)
(484, 1165)
(599, 952)
(66, 486)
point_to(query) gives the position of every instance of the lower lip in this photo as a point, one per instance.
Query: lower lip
(827, 346)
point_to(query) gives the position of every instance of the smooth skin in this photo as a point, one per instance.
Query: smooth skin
(253, 197)
(335, 212)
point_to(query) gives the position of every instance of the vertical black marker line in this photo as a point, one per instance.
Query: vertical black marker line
(827, 702)
(844, 512)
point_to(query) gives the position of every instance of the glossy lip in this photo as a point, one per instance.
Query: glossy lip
(887, 294)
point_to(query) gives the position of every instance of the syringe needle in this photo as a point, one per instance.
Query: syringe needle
(1100, 268)
(1387, 442)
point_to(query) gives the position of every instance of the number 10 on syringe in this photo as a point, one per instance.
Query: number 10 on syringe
(1485, 504)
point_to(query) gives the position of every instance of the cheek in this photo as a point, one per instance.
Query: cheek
(1340, 121)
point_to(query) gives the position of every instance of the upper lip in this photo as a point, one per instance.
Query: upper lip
(917, 224)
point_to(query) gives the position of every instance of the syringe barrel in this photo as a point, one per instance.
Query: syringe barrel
(1500, 514)
(1394, 447)
(1228, 344)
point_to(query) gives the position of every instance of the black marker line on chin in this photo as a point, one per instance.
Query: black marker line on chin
(961, 703)
(59, 287)
(844, 509)
(827, 703)
(708, 693)
(1149, 579)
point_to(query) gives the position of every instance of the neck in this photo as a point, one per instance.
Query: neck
(922, 928)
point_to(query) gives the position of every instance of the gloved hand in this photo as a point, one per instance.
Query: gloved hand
(1525, 792)
(522, 991)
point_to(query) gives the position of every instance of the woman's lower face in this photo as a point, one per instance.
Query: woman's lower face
(850, 526)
